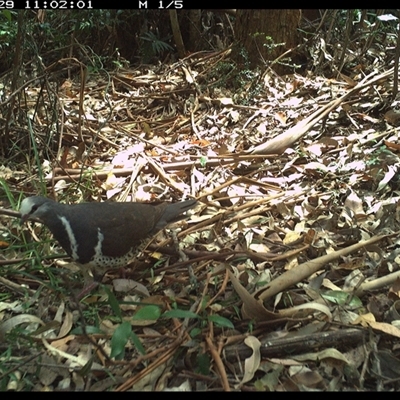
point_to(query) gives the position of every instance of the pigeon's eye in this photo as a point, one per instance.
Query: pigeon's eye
(34, 208)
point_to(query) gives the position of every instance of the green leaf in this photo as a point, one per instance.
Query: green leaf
(120, 339)
(8, 192)
(195, 332)
(342, 298)
(203, 161)
(146, 313)
(113, 302)
(137, 343)
(7, 14)
(220, 321)
(180, 314)
(203, 364)
(86, 369)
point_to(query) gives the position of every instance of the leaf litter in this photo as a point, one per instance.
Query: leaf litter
(285, 277)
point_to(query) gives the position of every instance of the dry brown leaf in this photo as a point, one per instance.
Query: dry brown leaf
(394, 291)
(31, 320)
(251, 308)
(305, 270)
(392, 117)
(385, 328)
(252, 363)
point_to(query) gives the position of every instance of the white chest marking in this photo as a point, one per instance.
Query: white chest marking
(71, 237)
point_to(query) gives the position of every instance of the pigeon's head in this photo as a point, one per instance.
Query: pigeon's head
(35, 207)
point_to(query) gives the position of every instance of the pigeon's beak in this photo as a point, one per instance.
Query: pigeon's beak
(24, 218)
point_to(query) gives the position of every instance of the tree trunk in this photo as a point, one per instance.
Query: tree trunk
(265, 35)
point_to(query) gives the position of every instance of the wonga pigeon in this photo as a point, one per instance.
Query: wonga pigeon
(105, 235)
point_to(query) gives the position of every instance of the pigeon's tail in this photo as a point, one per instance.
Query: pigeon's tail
(173, 213)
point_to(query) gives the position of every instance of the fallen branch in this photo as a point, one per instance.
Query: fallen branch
(280, 143)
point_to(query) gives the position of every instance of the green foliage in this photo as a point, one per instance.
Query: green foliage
(123, 334)
(8, 28)
(342, 298)
(5, 357)
(195, 332)
(90, 32)
(147, 313)
(226, 74)
(8, 14)
(14, 202)
(376, 157)
(9, 378)
(203, 364)
(113, 302)
(269, 42)
(120, 339)
(96, 19)
(157, 45)
(271, 46)
(203, 161)
(222, 322)
(221, 74)
(152, 46)
(8, 33)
